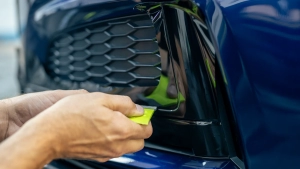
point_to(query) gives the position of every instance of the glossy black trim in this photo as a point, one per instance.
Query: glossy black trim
(191, 23)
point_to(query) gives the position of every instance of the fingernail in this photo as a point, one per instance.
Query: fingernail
(140, 109)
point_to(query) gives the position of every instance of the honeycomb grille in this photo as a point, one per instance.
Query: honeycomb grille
(119, 52)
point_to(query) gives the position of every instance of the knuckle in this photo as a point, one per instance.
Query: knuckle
(149, 131)
(58, 90)
(126, 132)
(117, 152)
(102, 160)
(97, 94)
(55, 92)
(83, 91)
(99, 97)
(126, 99)
(141, 146)
(109, 141)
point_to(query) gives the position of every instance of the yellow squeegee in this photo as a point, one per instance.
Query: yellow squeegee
(144, 119)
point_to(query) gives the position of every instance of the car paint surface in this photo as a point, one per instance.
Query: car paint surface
(258, 42)
(259, 51)
(150, 158)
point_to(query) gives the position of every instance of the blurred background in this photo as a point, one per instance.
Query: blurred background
(13, 14)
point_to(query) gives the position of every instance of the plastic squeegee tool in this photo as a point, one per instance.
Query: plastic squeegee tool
(144, 119)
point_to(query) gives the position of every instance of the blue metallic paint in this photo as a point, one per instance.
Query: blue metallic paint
(259, 49)
(258, 46)
(150, 158)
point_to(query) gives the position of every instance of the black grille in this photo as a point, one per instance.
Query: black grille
(120, 52)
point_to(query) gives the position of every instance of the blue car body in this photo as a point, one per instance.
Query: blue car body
(257, 48)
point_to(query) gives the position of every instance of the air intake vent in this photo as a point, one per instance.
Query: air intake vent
(120, 52)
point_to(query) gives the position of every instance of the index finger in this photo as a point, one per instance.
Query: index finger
(122, 104)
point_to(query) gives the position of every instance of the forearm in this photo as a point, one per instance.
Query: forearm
(4, 118)
(29, 148)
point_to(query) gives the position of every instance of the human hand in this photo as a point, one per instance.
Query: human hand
(18, 110)
(91, 126)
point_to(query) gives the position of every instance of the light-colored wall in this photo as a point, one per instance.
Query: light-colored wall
(8, 19)
(9, 86)
(8, 43)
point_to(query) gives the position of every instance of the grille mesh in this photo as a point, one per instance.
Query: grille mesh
(120, 52)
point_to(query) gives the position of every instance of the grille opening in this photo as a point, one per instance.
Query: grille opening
(117, 53)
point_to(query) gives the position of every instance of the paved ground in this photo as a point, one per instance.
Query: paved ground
(8, 69)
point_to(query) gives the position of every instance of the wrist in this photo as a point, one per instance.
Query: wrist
(44, 135)
(30, 145)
